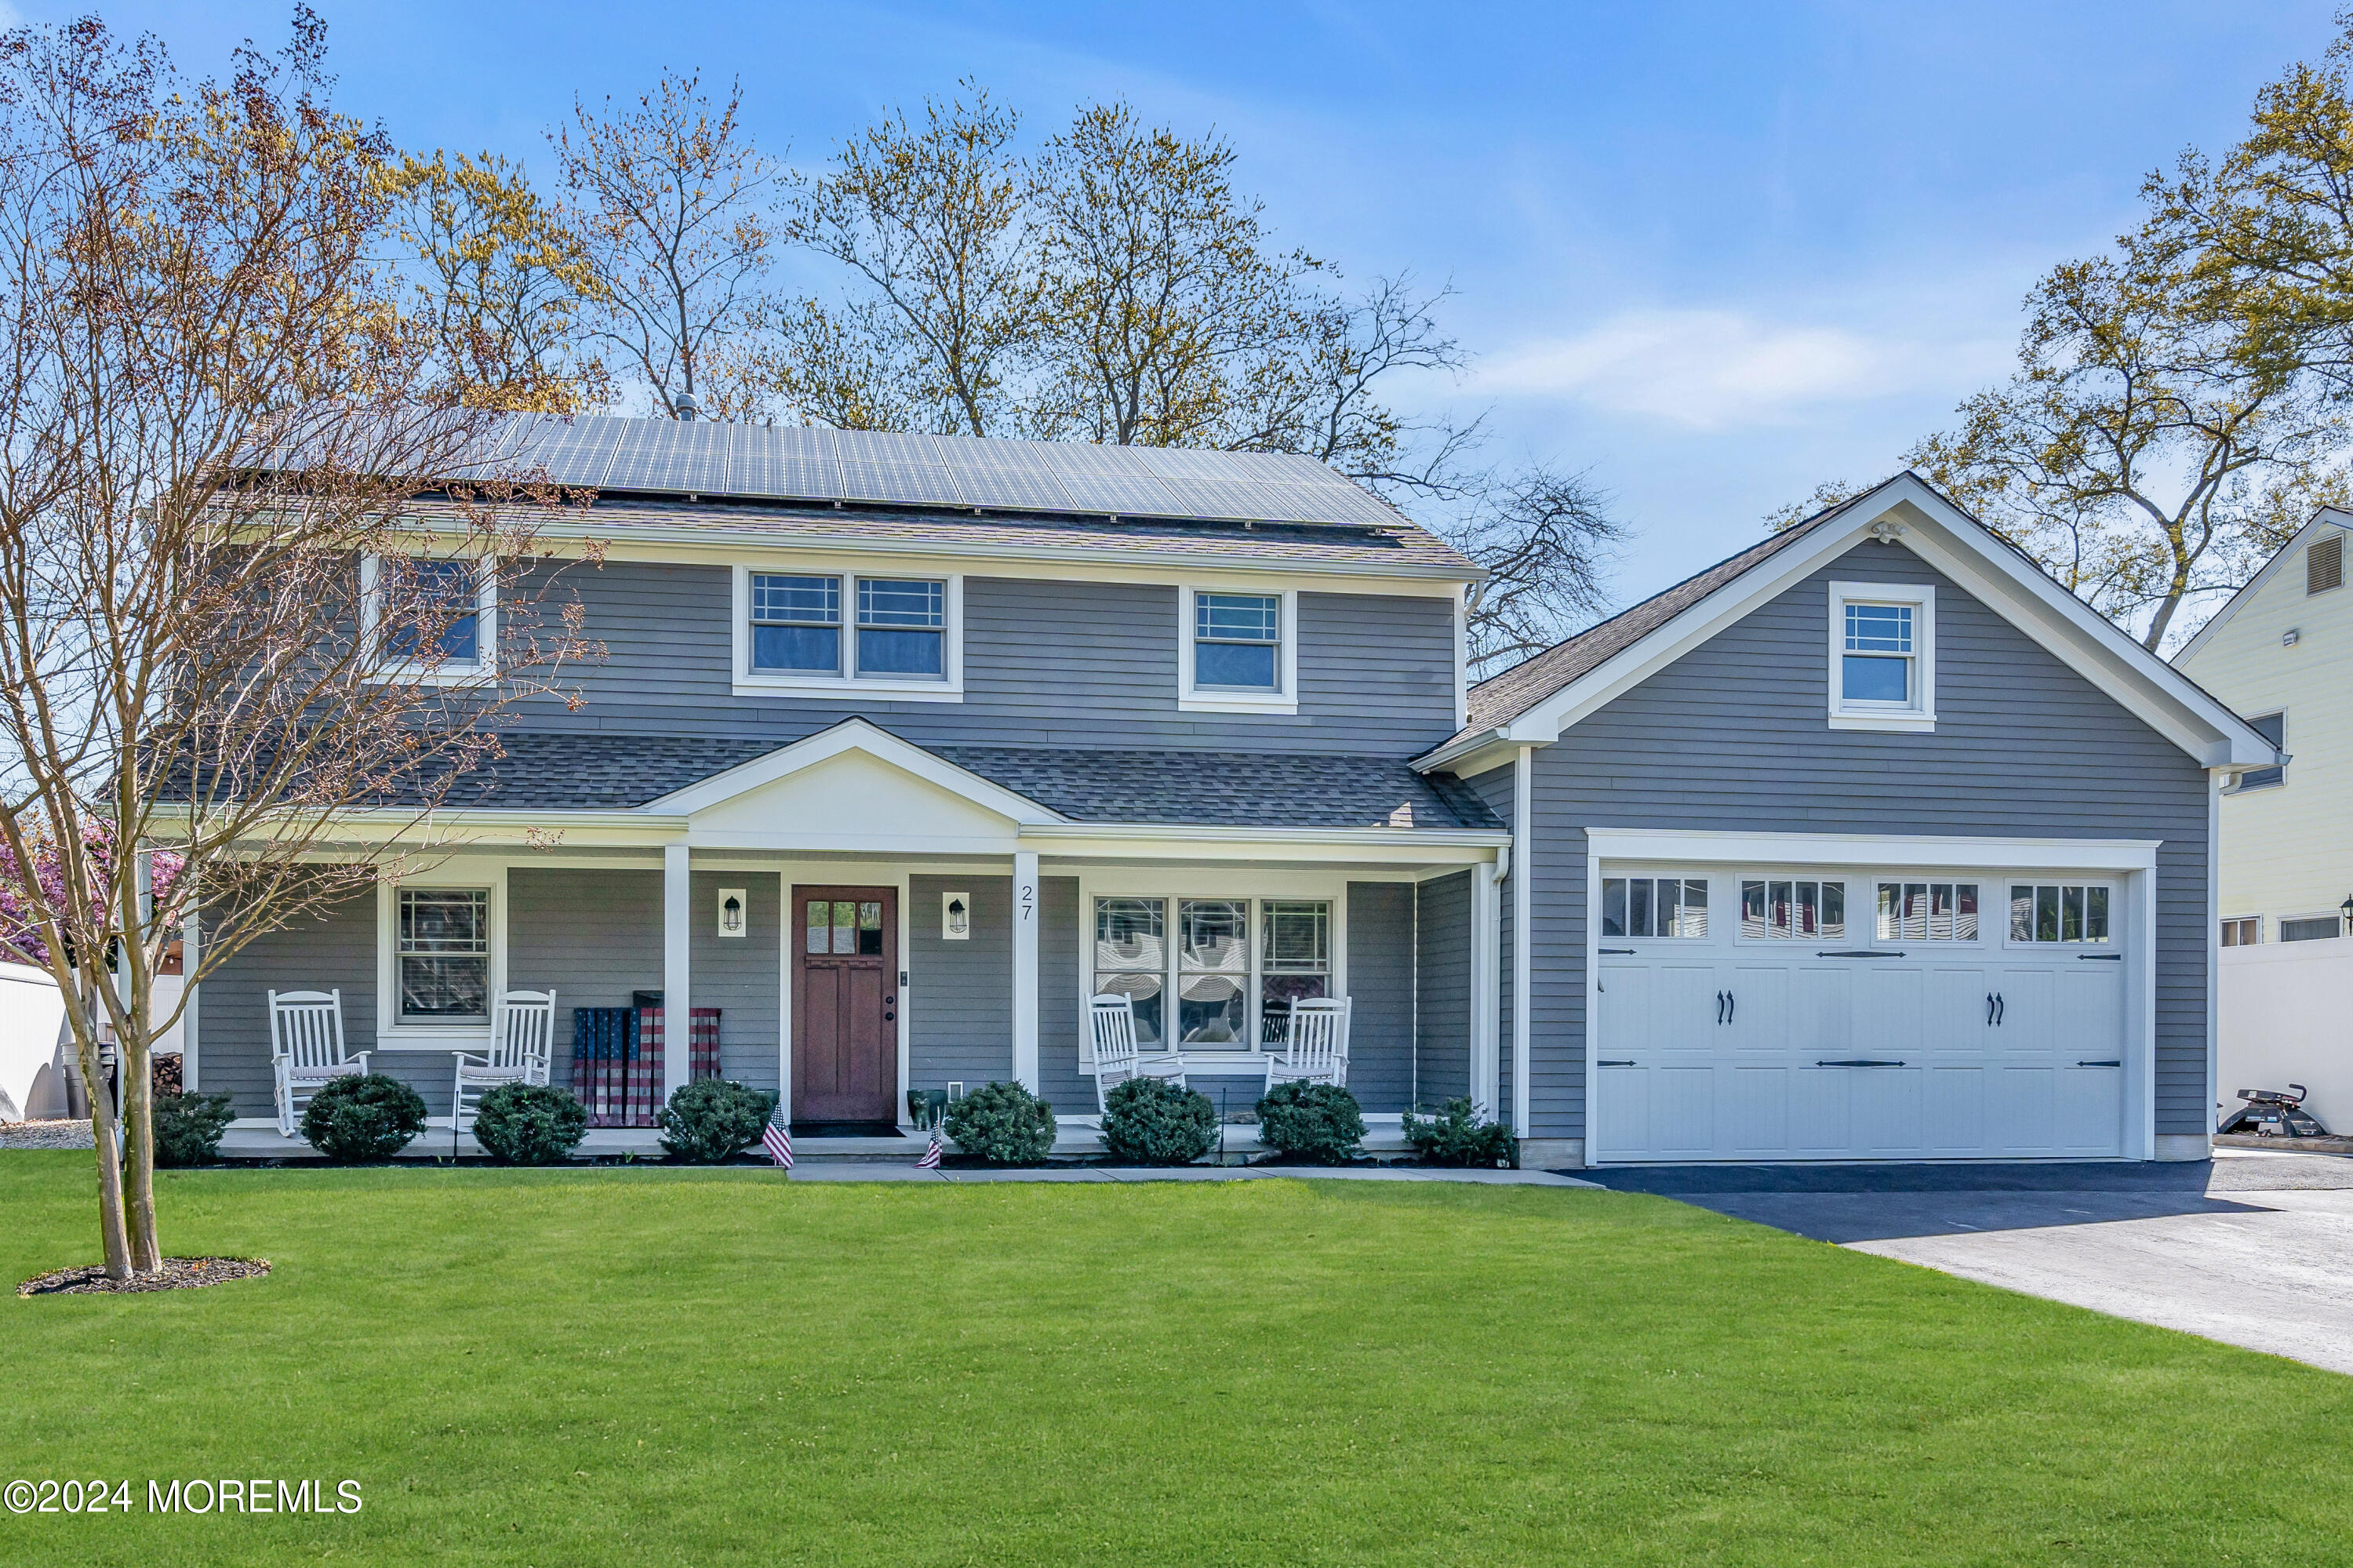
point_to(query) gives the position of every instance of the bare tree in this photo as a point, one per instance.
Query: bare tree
(502, 285)
(1546, 540)
(219, 632)
(668, 193)
(929, 219)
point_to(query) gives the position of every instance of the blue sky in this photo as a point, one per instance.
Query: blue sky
(1714, 253)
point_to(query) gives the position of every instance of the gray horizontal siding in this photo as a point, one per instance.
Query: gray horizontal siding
(1443, 971)
(960, 995)
(335, 951)
(1732, 737)
(737, 975)
(593, 937)
(1381, 985)
(1046, 664)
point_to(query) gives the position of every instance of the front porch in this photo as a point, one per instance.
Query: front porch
(855, 919)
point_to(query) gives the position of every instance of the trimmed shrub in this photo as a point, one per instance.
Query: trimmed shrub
(712, 1120)
(362, 1116)
(1004, 1124)
(1149, 1121)
(530, 1124)
(1456, 1136)
(1317, 1122)
(188, 1127)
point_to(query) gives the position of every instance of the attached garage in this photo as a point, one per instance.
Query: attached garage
(1787, 1011)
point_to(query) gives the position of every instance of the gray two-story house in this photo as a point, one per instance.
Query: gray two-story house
(1868, 842)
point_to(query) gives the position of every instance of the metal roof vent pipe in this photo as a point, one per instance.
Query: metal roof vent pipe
(683, 407)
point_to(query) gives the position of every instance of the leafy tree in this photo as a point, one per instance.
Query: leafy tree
(668, 195)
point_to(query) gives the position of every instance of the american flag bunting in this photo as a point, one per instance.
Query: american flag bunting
(779, 1143)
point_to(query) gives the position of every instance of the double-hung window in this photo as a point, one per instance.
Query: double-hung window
(1228, 980)
(443, 955)
(1883, 668)
(431, 614)
(847, 632)
(1238, 651)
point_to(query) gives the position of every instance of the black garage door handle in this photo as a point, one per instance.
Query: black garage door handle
(1862, 1062)
(2101, 958)
(2099, 1063)
(1864, 954)
(1617, 1063)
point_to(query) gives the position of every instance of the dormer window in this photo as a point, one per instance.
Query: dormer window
(1883, 666)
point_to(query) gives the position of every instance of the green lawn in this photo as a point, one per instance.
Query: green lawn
(718, 1367)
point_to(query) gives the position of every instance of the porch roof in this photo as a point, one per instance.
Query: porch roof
(553, 771)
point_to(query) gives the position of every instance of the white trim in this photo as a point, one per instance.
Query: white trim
(1873, 851)
(1524, 867)
(483, 667)
(190, 956)
(2327, 516)
(1283, 699)
(1486, 984)
(1980, 563)
(2208, 1107)
(846, 686)
(850, 735)
(1029, 910)
(390, 1033)
(678, 968)
(1594, 1154)
(1918, 715)
(1461, 661)
(785, 936)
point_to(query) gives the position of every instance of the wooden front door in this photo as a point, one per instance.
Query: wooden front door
(845, 1004)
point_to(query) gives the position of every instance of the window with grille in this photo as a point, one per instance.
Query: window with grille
(1797, 908)
(2059, 912)
(1653, 907)
(1927, 911)
(445, 953)
(2324, 564)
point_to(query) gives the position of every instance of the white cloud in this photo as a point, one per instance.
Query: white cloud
(1709, 368)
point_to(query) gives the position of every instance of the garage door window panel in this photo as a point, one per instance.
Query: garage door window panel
(1927, 911)
(2059, 914)
(1653, 907)
(1792, 909)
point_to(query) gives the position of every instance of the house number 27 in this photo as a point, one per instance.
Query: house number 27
(1029, 899)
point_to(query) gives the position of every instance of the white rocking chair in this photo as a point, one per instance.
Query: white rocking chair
(523, 1041)
(1316, 1048)
(306, 1048)
(1117, 1056)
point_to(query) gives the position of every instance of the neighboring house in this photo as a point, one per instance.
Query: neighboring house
(907, 745)
(2281, 652)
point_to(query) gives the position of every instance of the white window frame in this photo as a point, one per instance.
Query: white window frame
(1284, 699)
(2115, 891)
(2240, 920)
(1257, 890)
(391, 1032)
(1667, 944)
(1769, 943)
(848, 686)
(1914, 718)
(483, 667)
(2333, 916)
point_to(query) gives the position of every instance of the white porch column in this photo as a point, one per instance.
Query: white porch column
(1524, 867)
(1025, 969)
(677, 888)
(1487, 989)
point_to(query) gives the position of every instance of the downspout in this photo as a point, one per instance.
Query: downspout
(1522, 934)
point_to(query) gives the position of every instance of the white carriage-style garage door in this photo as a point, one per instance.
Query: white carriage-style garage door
(1762, 1013)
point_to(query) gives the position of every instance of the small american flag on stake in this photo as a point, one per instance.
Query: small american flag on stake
(931, 1160)
(779, 1143)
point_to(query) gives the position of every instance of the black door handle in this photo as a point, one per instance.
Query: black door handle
(1731, 1007)
(1614, 1064)
(1988, 1009)
(1719, 1007)
(2002, 1009)
(2099, 1063)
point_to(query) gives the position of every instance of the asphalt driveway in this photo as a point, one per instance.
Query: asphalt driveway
(2254, 1249)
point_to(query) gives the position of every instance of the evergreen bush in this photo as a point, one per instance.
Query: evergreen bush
(1004, 1124)
(712, 1120)
(188, 1127)
(362, 1116)
(1317, 1122)
(1149, 1121)
(530, 1124)
(1456, 1136)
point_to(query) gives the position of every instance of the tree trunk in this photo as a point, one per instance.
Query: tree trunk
(104, 1133)
(139, 1145)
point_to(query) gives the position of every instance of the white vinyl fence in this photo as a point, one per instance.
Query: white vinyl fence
(32, 1026)
(2286, 1016)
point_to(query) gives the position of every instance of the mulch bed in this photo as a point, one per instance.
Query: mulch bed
(177, 1274)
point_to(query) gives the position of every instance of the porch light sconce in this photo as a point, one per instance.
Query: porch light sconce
(955, 917)
(2348, 907)
(732, 905)
(2289, 638)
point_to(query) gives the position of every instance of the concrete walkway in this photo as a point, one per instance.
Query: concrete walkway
(2254, 1249)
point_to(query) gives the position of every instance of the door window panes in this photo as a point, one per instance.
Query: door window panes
(1797, 908)
(1927, 911)
(2059, 912)
(444, 952)
(1132, 959)
(796, 624)
(1294, 963)
(1653, 907)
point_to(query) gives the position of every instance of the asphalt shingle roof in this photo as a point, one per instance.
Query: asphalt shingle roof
(600, 771)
